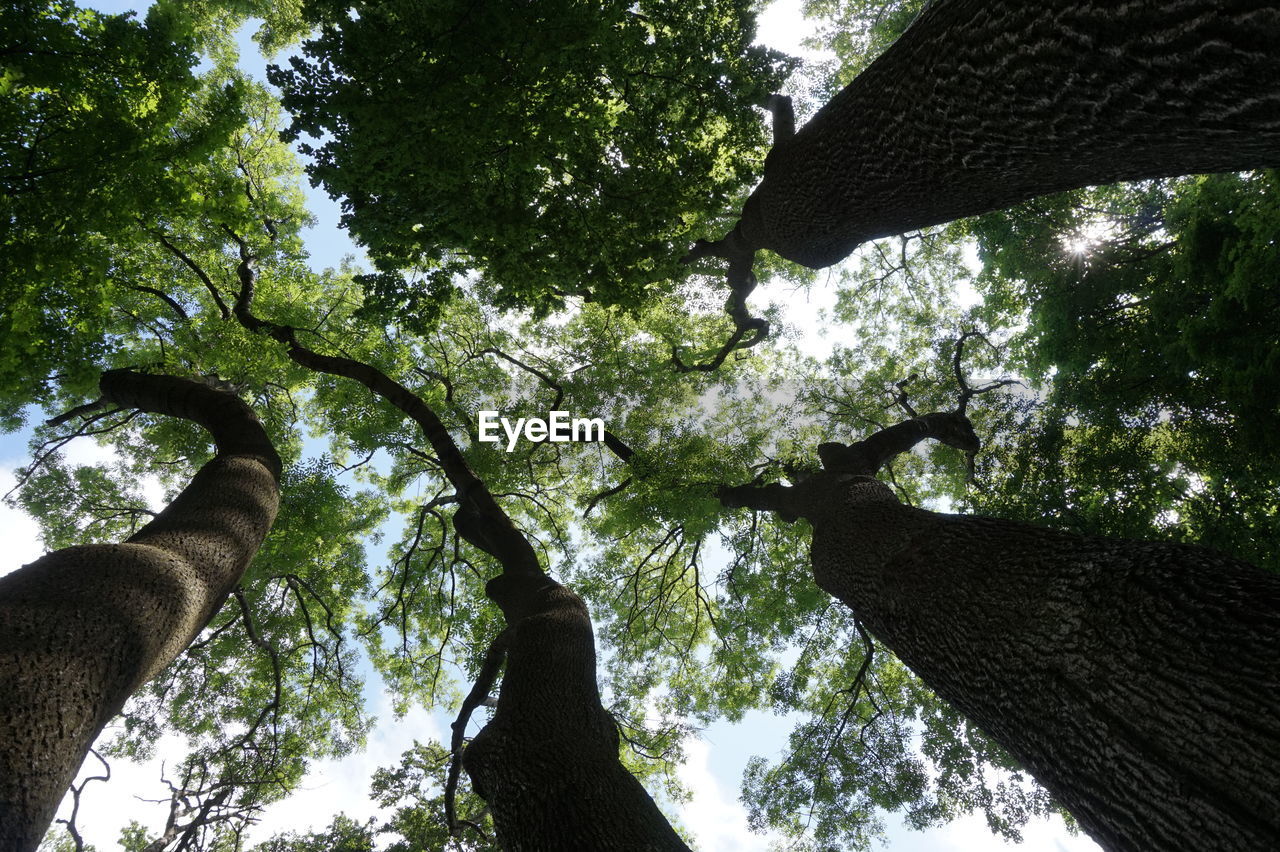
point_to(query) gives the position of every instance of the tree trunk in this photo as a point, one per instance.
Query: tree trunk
(547, 762)
(985, 103)
(1138, 681)
(82, 628)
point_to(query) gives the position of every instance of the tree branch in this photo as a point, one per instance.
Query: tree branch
(160, 294)
(478, 696)
(76, 790)
(547, 380)
(79, 411)
(867, 456)
(479, 519)
(617, 447)
(784, 117)
(603, 495)
(741, 281)
(773, 497)
(196, 268)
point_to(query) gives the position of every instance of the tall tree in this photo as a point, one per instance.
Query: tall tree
(84, 627)
(228, 289)
(1132, 678)
(980, 105)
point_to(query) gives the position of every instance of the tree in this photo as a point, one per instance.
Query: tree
(595, 150)
(86, 626)
(237, 300)
(1097, 94)
(1064, 648)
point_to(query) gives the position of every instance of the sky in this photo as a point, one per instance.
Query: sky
(715, 760)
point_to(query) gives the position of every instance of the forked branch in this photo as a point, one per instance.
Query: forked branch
(748, 330)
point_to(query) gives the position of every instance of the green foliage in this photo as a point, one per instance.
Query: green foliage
(83, 505)
(1157, 341)
(89, 112)
(597, 152)
(854, 33)
(343, 835)
(584, 161)
(415, 789)
(878, 745)
(415, 792)
(59, 840)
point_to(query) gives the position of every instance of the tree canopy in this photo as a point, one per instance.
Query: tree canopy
(578, 162)
(526, 203)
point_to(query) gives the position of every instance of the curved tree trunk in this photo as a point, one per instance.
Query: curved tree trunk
(985, 103)
(547, 762)
(82, 628)
(1138, 681)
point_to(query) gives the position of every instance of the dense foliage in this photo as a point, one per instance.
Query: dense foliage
(526, 202)
(583, 161)
(1153, 331)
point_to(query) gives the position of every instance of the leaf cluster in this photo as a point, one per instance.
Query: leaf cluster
(1156, 344)
(582, 161)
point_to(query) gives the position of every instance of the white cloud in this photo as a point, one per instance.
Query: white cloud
(334, 786)
(19, 533)
(716, 818)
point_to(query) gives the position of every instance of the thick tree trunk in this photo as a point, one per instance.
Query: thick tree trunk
(1138, 681)
(547, 762)
(985, 103)
(82, 628)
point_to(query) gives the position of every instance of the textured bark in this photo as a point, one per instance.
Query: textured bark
(547, 762)
(82, 628)
(1138, 681)
(985, 103)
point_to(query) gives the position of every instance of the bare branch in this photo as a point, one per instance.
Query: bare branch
(267, 648)
(51, 446)
(493, 659)
(76, 790)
